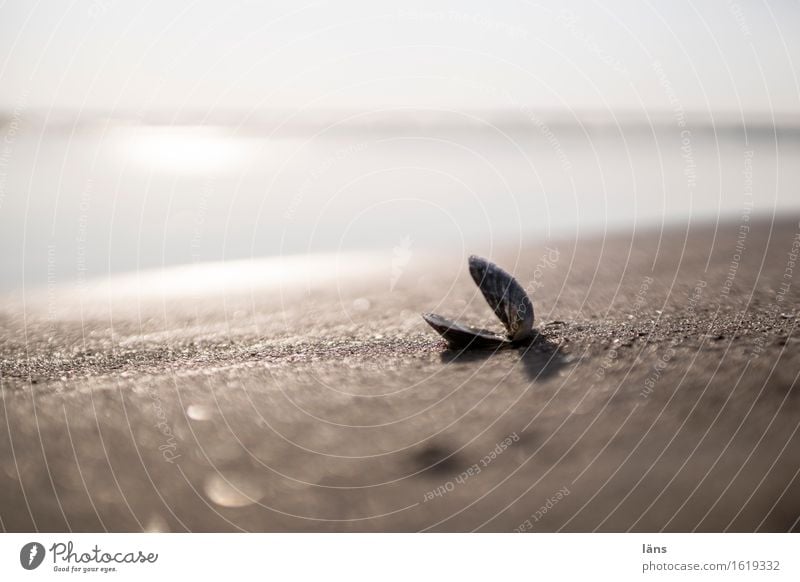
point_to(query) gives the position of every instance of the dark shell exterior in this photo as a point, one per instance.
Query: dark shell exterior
(460, 336)
(505, 296)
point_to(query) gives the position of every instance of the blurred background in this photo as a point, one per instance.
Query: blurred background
(140, 135)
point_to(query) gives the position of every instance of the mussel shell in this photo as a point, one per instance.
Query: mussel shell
(460, 336)
(505, 296)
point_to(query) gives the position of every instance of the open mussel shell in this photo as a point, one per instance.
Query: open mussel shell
(505, 296)
(460, 336)
(507, 299)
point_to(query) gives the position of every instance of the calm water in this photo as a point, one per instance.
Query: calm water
(78, 201)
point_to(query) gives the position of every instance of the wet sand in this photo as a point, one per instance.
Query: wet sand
(661, 393)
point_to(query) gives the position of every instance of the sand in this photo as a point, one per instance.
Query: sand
(661, 393)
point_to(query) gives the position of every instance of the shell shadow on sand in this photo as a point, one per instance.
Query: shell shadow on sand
(539, 356)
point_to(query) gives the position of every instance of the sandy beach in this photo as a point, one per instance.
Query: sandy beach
(307, 394)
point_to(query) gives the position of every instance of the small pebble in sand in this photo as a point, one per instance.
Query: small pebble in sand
(199, 412)
(156, 524)
(233, 490)
(361, 304)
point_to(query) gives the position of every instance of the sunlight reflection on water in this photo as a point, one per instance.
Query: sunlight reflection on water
(183, 149)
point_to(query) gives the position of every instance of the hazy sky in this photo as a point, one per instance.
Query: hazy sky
(113, 54)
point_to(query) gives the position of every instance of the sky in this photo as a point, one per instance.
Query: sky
(739, 56)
